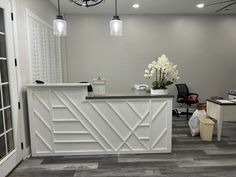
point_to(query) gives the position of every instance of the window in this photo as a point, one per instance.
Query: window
(44, 50)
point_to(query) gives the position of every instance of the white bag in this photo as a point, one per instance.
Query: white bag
(194, 121)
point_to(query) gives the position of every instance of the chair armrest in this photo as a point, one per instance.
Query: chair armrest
(195, 94)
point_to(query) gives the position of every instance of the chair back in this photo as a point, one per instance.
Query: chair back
(182, 90)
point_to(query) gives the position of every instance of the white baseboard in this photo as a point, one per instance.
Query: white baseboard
(26, 152)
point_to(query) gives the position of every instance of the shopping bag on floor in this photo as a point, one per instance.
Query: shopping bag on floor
(194, 121)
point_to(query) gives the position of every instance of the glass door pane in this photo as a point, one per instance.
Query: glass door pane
(6, 129)
(2, 29)
(2, 44)
(2, 147)
(1, 124)
(3, 70)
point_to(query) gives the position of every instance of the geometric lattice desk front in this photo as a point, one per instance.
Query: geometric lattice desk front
(63, 122)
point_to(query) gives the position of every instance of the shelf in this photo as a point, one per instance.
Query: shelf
(58, 106)
(66, 120)
(70, 133)
(144, 125)
(74, 141)
(144, 138)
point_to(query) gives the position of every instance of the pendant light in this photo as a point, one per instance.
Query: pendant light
(116, 24)
(59, 24)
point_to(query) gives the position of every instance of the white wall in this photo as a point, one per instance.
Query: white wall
(46, 11)
(204, 47)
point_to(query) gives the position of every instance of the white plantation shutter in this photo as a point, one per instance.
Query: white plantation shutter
(44, 51)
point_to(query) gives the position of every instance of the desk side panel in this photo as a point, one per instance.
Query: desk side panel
(44, 104)
(40, 122)
(228, 112)
(213, 110)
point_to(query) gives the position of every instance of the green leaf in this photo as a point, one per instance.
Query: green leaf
(161, 84)
(155, 85)
(169, 83)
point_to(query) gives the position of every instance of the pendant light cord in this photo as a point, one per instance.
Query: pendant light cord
(59, 8)
(115, 7)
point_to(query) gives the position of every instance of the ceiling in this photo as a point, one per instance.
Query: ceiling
(146, 7)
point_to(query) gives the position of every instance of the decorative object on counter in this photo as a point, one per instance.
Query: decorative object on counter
(116, 24)
(140, 87)
(39, 82)
(87, 3)
(59, 24)
(233, 92)
(99, 86)
(159, 91)
(166, 74)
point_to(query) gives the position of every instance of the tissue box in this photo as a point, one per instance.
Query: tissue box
(99, 86)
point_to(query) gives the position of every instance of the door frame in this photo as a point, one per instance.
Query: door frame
(21, 111)
(12, 159)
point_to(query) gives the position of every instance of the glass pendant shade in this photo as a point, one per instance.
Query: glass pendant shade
(59, 26)
(116, 26)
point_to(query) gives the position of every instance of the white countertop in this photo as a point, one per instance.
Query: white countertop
(58, 85)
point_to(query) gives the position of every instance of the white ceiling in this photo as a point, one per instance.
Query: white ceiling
(146, 7)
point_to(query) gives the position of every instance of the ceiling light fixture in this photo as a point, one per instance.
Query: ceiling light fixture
(59, 24)
(87, 3)
(136, 6)
(227, 4)
(116, 25)
(200, 6)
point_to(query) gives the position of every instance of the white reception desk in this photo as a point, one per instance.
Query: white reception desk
(64, 120)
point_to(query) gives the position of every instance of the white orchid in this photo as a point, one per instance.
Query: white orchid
(153, 71)
(166, 72)
(150, 66)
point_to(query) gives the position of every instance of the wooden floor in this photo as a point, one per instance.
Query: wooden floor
(190, 158)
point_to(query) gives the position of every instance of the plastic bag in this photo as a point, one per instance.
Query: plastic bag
(194, 121)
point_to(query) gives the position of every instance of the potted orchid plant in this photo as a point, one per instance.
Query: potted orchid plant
(165, 73)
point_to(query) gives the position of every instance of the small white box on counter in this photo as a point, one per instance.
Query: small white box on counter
(99, 86)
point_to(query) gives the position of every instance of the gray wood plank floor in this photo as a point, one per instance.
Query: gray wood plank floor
(190, 157)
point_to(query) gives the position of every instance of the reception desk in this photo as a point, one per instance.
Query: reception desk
(65, 120)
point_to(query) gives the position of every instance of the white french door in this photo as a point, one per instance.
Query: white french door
(10, 152)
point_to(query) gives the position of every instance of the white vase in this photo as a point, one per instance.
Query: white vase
(159, 92)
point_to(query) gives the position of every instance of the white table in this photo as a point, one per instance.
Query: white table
(221, 112)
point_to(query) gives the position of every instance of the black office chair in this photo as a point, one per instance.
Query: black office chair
(185, 97)
(90, 88)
